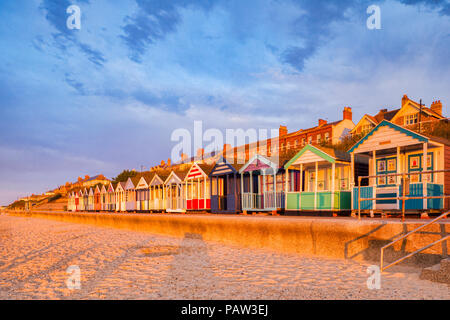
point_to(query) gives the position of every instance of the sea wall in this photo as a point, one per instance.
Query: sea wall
(345, 238)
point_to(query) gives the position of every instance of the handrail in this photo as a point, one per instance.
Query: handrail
(403, 197)
(382, 267)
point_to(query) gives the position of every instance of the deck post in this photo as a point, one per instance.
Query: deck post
(204, 193)
(242, 191)
(251, 190)
(262, 190)
(275, 189)
(300, 188)
(333, 182)
(374, 173)
(425, 177)
(315, 185)
(286, 188)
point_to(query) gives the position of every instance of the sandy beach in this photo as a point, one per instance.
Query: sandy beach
(120, 264)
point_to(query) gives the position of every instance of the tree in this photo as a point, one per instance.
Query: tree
(124, 175)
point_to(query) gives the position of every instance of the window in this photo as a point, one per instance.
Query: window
(309, 140)
(295, 143)
(303, 142)
(411, 119)
(366, 128)
(327, 136)
(319, 137)
(287, 145)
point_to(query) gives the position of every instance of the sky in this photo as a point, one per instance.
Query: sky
(108, 96)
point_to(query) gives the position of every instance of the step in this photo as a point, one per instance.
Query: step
(437, 273)
(445, 265)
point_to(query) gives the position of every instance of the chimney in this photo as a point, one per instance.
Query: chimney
(347, 114)
(436, 106)
(322, 122)
(169, 162)
(282, 131)
(162, 163)
(383, 110)
(200, 153)
(184, 157)
(405, 99)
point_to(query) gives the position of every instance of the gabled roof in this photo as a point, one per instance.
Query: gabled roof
(199, 169)
(258, 162)
(120, 185)
(180, 171)
(222, 167)
(384, 123)
(327, 154)
(112, 187)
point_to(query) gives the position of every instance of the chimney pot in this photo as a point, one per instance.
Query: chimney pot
(436, 106)
(322, 122)
(347, 113)
(404, 100)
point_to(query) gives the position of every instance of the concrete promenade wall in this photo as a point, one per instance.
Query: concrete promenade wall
(345, 238)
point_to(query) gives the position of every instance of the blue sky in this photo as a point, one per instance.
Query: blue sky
(108, 96)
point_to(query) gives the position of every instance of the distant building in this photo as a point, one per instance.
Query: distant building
(407, 116)
(91, 181)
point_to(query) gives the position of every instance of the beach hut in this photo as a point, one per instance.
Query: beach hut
(174, 191)
(85, 200)
(143, 191)
(130, 193)
(90, 200)
(391, 150)
(71, 201)
(225, 187)
(103, 198)
(111, 197)
(78, 200)
(120, 197)
(97, 199)
(156, 196)
(319, 179)
(197, 187)
(262, 184)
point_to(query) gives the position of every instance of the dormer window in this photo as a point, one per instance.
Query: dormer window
(411, 119)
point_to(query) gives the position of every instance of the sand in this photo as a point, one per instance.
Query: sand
(121, 264)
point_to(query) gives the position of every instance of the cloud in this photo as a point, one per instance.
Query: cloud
(63, 37)
(153, 21)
